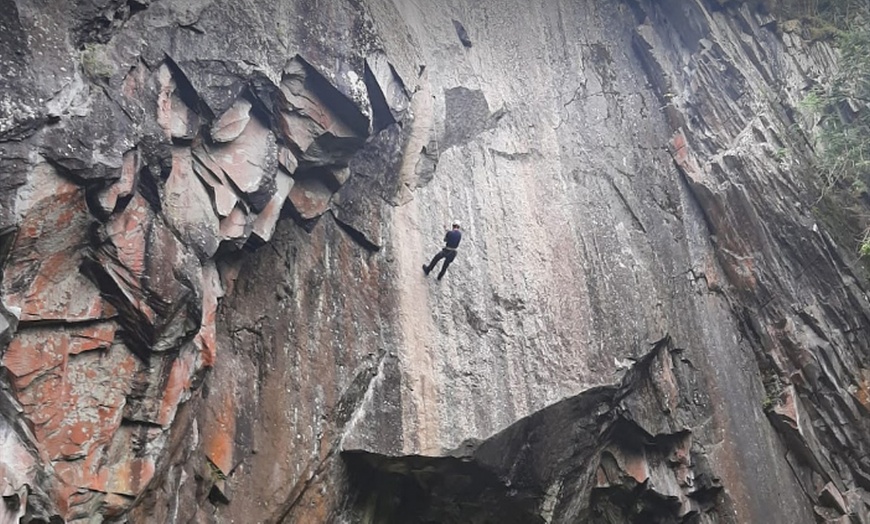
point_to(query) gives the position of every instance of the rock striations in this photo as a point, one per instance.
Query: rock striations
(213, 215)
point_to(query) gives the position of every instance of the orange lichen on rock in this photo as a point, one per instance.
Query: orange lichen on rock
(41, 277)
(219, 433)
(176, 387)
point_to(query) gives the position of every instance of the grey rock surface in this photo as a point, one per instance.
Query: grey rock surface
(213, 216)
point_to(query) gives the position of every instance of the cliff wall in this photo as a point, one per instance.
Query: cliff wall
(213, 216)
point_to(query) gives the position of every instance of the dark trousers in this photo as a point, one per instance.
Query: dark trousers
(448, 255)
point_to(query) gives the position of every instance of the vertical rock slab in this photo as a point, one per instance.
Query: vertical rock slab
(158, 389)
(173, 114)
(212, 292)
(151, 277)
(188, 208)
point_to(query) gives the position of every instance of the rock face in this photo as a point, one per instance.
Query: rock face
(212, 221)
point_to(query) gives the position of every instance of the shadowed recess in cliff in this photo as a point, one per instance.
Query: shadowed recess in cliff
(100, 20)
(419, 489)
(589, 458)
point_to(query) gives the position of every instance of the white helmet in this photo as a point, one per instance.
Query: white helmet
(456, 224)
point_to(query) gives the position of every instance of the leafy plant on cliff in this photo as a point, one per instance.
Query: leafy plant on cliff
(773, 388)
(95, 63)
(841, 110)
(864, 250)
(823, 17)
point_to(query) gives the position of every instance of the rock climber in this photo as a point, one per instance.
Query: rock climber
(451, 242)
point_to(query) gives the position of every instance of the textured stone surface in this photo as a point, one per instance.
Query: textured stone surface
(587, 458)
(249, 163)
(41, 278)
(151, 276)
(17, 472)
(188, 208)
(647, 320)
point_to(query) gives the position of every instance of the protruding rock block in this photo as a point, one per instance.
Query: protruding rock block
(319, 121)
(299, 87)
(373, 179)
(109, 197)
(41, 276)
(287, 160)
(250, 162)
(236, 227)
(218, 83)
(224, 197)
(232, 123)
(91, 148)
(298, 130)
(333, 177)
(309, 198)
(389, 97)
(264, 224)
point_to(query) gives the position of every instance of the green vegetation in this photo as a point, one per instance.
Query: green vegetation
(216, 473)
(840, 109)
(842, 112)
(95, 63)
(781, 154)
(824, 17)
(773, 388)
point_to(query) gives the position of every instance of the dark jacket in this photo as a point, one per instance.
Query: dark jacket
(452, 238)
